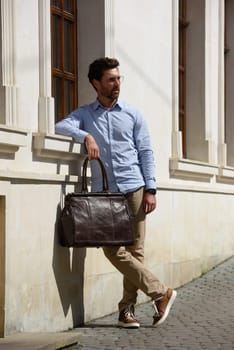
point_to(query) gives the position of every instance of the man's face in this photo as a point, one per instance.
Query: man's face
(109, 85)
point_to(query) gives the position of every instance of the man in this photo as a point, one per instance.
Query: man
(117, 133)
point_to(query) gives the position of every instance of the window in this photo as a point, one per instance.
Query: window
(182, 72)
(192, 79)
(226, 50)
(229, 79)
(64, 56)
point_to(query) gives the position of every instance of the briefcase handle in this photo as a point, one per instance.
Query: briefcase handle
(105, 185)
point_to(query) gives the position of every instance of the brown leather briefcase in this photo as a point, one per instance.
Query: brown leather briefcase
(96, 219)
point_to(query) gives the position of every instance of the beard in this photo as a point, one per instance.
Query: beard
(111, 95)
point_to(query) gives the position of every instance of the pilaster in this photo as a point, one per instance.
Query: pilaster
(8, 86)
(46, 102)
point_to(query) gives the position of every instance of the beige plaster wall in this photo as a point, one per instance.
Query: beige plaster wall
(52, 288)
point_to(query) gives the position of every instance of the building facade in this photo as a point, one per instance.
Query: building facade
(177, 60)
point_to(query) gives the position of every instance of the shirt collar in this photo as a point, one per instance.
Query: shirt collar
(97, 104)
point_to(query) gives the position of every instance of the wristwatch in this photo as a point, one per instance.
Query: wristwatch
(151, 190)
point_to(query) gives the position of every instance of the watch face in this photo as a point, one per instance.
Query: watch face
(151, 190)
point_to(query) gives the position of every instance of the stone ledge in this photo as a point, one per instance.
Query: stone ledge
(56, 146)
(39, 341)
(12, 139)
(192, 170)
(226, 175)
(35, 177)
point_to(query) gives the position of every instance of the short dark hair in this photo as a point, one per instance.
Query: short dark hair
(97, 67)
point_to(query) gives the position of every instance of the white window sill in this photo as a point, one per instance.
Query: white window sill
(12, 139)
(226, 175)
(192, 170)
(56, 146)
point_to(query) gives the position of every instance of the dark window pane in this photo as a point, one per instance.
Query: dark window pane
(56, 42)
(57, 83)
(180, 92)
(68, 6)
(180, 48)
(68, 96)
(180, 8)
(57, 3)
(68, 46)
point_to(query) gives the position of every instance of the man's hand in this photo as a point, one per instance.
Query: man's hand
(149, 202)
(92, 147)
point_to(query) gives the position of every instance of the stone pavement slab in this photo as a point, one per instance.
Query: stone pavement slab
(39, 341)
(202, 317)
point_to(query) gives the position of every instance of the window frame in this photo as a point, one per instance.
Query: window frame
(60, 72)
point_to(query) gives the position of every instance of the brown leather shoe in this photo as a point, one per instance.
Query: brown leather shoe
(162, 306)
(127, 318)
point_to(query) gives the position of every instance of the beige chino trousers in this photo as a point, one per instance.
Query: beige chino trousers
(130, 260)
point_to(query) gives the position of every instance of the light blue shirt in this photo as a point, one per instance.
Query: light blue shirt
(124, 142)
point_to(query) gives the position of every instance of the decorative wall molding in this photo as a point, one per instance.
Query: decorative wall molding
(9, 90)
(46, 102)
(202, 187)
(109, 28)
(222, 147)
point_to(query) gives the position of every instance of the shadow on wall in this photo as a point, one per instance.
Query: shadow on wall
(68, 267)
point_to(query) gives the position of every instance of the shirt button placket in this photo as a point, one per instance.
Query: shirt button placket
(110, 132)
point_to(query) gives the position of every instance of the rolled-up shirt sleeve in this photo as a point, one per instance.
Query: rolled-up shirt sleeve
(70, 126)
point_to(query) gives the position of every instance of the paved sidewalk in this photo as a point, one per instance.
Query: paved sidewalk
(202, 317)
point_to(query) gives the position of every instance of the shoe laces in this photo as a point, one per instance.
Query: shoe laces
(129, 311)
(154, 302)
(155, 308)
